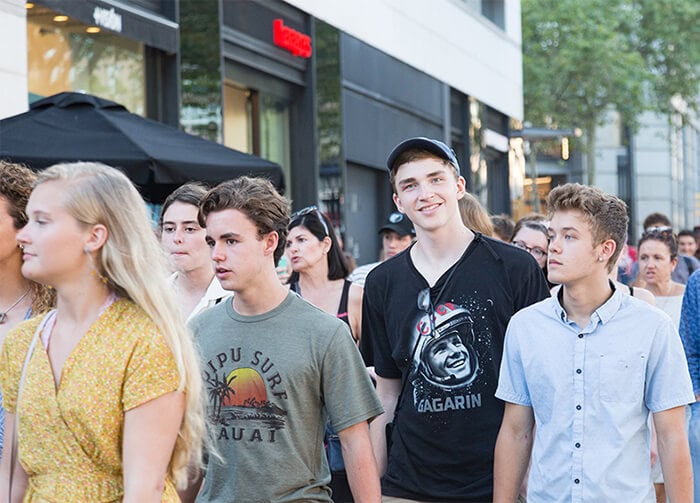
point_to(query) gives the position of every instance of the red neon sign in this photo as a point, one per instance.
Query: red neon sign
(291, 40)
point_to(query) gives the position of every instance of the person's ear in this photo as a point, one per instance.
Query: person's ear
(270, 241)
(397, 203)
(327, 244)
(96, 238)
(607, 250)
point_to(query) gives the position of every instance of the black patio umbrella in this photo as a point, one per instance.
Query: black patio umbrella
(70, 127)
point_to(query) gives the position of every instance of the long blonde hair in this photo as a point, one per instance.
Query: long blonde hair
(134, 265)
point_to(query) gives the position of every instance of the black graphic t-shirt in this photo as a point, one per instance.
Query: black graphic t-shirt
(447, 419)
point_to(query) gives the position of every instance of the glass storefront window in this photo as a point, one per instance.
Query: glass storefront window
(64, 56)
(238, 118)
(274, 134)
(257, 123)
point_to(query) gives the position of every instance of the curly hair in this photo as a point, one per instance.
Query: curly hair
(16, 183)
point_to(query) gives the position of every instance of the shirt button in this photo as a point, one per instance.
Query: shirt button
(577, 445)
(578, 407)
(580, 336)
(576, 481)
(578, 371)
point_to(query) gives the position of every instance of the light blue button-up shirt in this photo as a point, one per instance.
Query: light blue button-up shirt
(591, 391)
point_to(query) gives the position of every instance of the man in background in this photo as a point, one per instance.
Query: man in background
(397, 235)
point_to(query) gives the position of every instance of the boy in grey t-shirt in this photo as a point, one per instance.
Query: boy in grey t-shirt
(274, 366)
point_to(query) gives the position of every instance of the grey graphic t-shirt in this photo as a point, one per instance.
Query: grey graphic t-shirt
(271, 381)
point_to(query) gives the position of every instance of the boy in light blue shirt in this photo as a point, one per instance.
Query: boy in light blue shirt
(586, 367)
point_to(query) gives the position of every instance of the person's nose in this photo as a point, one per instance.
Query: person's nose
(23, 236)
(217, 253)
(553, 246)
(425, 190)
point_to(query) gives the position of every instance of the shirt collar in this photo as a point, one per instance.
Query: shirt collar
(604, 313)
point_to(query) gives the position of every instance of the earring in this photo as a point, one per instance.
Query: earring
(93, 269)
(20, 246)
(600, 259)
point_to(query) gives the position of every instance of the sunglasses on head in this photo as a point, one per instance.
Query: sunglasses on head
(311, 210)
(659, 231)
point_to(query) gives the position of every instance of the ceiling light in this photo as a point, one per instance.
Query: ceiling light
(60, 18)
(29, 5)
(92, 29)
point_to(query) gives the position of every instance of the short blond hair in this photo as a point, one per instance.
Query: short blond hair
(605, 213)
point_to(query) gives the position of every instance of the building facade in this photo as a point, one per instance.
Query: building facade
(326, 89)
(125, 51)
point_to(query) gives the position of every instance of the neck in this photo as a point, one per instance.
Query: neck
(582, 298)
(261, 296)
(197, 280)
(13, 284)
(313, 278)
(77, 303)
(441, 248)
(661, 289)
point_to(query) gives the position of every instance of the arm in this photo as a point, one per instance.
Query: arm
(19, 477)
(512, 454)
(388, 392)
(674, 454)
(150, 431)
(355, 311)
(360, 464)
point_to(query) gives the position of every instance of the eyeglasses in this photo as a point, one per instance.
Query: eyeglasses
(536, 252)
(309, 210)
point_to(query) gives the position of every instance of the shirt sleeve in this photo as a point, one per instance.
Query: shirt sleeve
(150, 373)
(690, 328)
(374, 345)
(512, 385)
(348, 393)
(668, 381)
(12, 358)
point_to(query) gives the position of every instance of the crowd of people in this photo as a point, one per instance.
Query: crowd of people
(235, 355)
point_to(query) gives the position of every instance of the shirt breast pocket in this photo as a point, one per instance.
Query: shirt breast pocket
(621, 378)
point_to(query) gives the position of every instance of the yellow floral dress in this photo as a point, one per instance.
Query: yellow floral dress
(70, 438)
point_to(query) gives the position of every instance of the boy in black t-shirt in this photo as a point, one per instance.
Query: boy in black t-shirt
(433, 323)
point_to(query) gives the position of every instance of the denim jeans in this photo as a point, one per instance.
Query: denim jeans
(694, 439)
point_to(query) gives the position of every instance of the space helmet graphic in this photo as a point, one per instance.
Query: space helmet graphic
(446, 357)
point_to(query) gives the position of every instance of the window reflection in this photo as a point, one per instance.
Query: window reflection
(65, 57)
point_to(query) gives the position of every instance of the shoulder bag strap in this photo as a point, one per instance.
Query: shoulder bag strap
(15, 429)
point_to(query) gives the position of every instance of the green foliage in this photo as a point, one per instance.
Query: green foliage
(583, 57)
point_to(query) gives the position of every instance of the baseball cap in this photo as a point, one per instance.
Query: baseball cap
(422, 143)
(399, 223)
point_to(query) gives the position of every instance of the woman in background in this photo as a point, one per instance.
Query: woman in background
(319, 269)
(319, 272)
(20, 298)
(110, 406)
(658, 257)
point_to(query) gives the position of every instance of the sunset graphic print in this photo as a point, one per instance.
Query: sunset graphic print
(242, 400)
